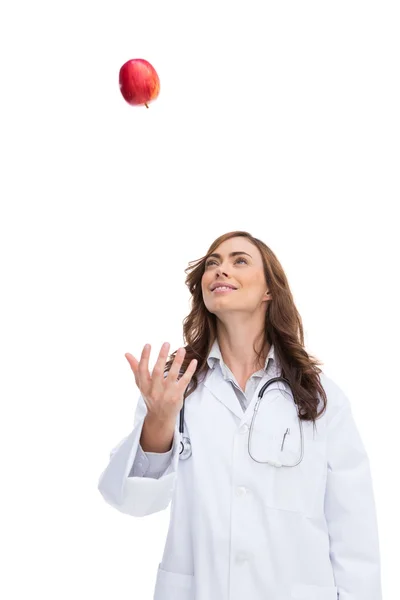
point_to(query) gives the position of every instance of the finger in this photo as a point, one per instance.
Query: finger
(158, 370)
(143, 369)
(133, 363)
(157, 376)
(135, 368)
(188, 374)
(176, 365)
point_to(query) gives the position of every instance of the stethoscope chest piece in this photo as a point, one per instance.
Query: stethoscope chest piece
(185, 449)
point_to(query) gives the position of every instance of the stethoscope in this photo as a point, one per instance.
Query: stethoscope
(186, 445)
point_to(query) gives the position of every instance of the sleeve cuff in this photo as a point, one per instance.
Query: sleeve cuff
(150, 464)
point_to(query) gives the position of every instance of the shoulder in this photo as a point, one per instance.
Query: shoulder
(337, 399)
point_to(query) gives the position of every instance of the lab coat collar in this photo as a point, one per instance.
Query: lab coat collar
(215, 355)
(222, 389)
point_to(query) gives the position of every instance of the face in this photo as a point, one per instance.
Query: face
(244, 271)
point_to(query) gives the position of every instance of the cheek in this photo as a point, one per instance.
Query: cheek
(203, 287)
(205, 280)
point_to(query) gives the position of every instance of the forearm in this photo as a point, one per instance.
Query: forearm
(157, 436)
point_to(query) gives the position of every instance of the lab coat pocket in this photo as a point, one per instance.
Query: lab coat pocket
(299, 488)
(173, 586)
(301, 591)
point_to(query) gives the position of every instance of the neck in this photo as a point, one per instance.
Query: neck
(237, 343)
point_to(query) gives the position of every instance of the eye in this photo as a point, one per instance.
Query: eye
(212, 260)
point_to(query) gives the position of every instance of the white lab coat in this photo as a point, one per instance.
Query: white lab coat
(240, 529)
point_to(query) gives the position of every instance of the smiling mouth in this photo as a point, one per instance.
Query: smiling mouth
(222, 290)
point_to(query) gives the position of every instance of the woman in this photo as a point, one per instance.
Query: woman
(242, 527)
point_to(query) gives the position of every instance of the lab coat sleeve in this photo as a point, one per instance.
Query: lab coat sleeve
(138, 496)
(150, 464)
(350, 510)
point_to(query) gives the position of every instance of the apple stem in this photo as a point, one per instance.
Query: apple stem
(146, 105)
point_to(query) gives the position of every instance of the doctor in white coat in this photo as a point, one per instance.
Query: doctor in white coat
(240, 527)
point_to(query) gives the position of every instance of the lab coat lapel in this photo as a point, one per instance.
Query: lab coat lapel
(223, 392)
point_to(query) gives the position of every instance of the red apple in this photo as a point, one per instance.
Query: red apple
(139, 82)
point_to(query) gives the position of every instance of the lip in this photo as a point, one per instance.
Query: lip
(220, 283)
(218, 290)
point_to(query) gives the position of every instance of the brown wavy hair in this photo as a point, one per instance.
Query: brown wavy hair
(283, 329)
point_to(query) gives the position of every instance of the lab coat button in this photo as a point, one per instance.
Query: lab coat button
(241, 491)
(244, 428)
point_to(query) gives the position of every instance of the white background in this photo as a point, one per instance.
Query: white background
(277, 118)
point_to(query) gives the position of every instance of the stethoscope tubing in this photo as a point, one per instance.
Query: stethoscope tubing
(186, 446)
(260, 395)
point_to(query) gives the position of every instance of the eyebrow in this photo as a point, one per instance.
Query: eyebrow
(216, 255)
